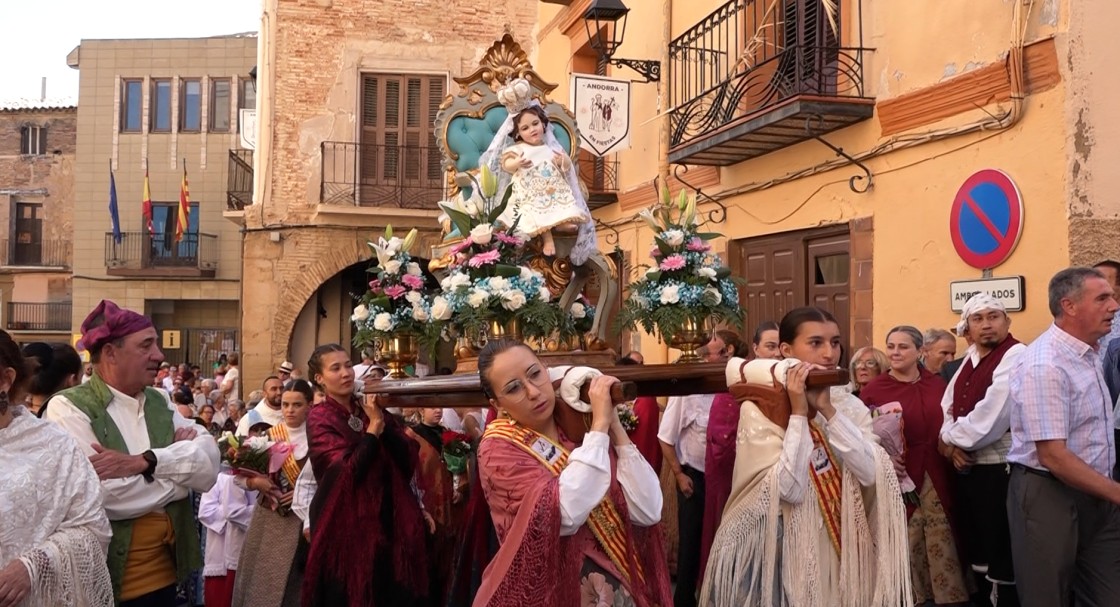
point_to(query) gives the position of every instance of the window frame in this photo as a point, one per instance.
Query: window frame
(213, 103)
(124, 109)
(183, 84)
(154, 106)
(33, 140)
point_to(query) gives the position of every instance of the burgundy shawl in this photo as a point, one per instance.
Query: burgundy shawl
(719, 467)
(368, 532)
(645, 435)
(973, 382)
(534, 564)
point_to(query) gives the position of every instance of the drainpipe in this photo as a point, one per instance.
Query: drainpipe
(663, 93)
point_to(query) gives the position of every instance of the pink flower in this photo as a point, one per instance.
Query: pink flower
(672, 262)
(483, 259)
(374, 285)
(698, 245)
(462, 246)
(595, 591)
(395, 291)
(412, 281)
(505, 238)
(655, 251)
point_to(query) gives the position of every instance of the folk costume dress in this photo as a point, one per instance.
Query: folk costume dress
(368, 539)
(719, 468)
(815, 516)
(576, 526)
(542, 199)
(52, 518)
(270, 571)
(935, 561)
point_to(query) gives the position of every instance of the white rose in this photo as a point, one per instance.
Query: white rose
(670, 294)
(460, 279)
(513, 300)
(673, 238)
(482, 234)
(445, 284)
(414, 269)
(578, 311)
(383, 322)
(499, 284)
(360, 314)
(393, 246)
(441, 309)
(526, 274)
(711, 296)
(419, 314)
(708, 273)
(546, 295)
(477, 298)
(392, 266)
(258, 443)
(414, 297)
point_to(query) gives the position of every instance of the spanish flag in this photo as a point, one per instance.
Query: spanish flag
(184, 207)
(147, 205)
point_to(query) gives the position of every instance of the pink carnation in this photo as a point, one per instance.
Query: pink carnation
(698, 245)
(374, 285)
(412, 281)
(672, 262)
(655, 251)
(505, 238)
(395, 291)
(483, 259)
(462, 246)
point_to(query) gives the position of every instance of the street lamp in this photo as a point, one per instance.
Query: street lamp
(253, 75)
(605, 21)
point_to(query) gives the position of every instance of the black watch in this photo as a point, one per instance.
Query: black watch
(151, 469)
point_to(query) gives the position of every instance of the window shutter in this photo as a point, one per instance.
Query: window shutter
(435, 99)
(25, 140)
(42, 140)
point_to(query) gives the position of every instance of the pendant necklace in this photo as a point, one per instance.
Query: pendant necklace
(355, 423)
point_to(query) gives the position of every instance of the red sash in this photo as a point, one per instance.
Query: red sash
(279, 433)
(828, 481)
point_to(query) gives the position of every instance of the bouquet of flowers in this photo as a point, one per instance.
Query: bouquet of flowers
(886, 423)
(488, 279)
(686, 280)
(456, 448)
(397, 300)
(578, 320)
(252, 455)
(627, 417)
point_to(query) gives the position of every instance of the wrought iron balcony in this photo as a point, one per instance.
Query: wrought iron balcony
(43, 254)
(157, 255)
(239, 191)
(756, 76)
(600, 175)
(369, 175)
(21, 316)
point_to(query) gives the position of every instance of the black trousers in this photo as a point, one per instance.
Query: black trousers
(983, 510)
(690, 528)
(1066, 543)
(164, 597)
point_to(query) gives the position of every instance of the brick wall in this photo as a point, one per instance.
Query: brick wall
(862, 247)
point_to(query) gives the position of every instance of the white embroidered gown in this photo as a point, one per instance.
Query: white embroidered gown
(542, 198)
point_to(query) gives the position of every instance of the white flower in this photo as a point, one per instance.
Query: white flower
(392, 266)
(441, 309)
(459, 279)
(419, 313)
(546, 295)
(673, 238)
(360, 314)
(670, 294)
(708, 273)
(383, 322)
(711, 296)
(414, 297)
(445, 284)
(578, 311)
(258, 443)
(651, 221)
(499, 284)
(482, 233)
(393, 246)
(513, 300)
(526, 274)
(414, 269)
(470, 208)
(477, 298)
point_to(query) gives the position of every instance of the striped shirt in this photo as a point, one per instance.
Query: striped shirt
(1059, 393)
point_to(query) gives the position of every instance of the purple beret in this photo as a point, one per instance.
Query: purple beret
(116, 323)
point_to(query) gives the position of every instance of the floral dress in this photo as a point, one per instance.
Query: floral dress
(542, 198)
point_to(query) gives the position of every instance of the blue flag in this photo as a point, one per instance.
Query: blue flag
(114, 214)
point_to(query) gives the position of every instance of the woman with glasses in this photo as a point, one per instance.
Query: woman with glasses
(576, 525)
(866, 365)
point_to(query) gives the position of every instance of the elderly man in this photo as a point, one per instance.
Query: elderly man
(147, 456)
(1062, 503)
(267, 410)
(976, 435)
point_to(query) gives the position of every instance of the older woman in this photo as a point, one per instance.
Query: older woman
(368, 541)
(54, 534)
(935, 565)
(938, 347)
(868, 363)
(577, 525)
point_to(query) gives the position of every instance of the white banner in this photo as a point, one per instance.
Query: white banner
(248, 129)
(602, 108)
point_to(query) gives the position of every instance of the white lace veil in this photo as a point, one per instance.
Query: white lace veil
(586, 243)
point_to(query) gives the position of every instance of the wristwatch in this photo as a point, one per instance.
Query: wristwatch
(151, 469)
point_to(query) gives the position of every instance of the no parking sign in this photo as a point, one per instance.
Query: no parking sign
(986, 220)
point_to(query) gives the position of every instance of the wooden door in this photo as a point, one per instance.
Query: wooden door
(28, 247)
(827, 273)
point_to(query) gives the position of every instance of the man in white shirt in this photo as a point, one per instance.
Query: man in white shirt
(231, 382)
(147, 456)
(683, 435)
(266, 411)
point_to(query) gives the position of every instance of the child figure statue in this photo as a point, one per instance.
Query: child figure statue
(545, 188)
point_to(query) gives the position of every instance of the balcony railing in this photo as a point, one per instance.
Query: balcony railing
(758, 75)
(38, 316)
(369, 175)
(44, 254)
(600, 175)
(144, 254)
(239, 191)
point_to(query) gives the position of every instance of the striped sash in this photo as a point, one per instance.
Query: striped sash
(279, 433)
(605, 522)
(828, 481)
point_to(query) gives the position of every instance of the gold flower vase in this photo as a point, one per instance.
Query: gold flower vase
(692, 334)
(497, 329)
(399, 351)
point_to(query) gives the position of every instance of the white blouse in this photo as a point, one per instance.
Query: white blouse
(587, 477)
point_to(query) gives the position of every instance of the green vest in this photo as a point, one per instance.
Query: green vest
(92, 398)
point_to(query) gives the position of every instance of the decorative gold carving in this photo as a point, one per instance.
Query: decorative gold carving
(504, 61)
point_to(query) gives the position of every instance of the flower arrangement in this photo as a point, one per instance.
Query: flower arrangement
(686, 281)
(252, 455)
(488, 279)
(627, 417)
(398, 300)
(578, 320)
(456, 448)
